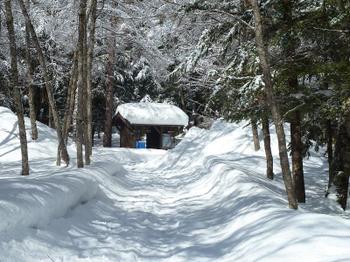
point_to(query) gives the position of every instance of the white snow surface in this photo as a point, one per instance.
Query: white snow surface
(153, 114)
(206, 200)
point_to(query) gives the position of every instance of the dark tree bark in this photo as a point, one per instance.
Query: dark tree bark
(255, 135)
(48, 85)
(293, 85)
(341, 163)
(107, 136)
(297, 157)
(69, 107)
(15, 88)
(267, 146)
(272, 103)
(72, 88)
(90, 55)
(30, 73)
(81, 83)
(329, 150)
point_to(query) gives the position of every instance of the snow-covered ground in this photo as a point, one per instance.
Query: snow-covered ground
(205, 200)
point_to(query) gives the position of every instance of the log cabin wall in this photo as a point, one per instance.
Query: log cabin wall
(127, 139)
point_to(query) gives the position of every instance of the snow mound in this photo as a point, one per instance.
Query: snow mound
(35, 202)
(153, 114)
(49, 191)
(44, 147)
(206, 200)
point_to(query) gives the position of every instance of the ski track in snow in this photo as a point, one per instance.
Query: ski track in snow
(206, 200)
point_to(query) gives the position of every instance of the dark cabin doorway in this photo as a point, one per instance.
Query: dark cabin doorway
(154, 139)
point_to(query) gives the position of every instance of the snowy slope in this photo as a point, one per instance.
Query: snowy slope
(44, 147)
(205, 200)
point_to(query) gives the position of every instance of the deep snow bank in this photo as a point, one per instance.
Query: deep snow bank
(50, 191)
(44, 147)
(35, 202)
(206, 200)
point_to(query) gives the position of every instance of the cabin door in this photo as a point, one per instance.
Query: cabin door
(154, 139)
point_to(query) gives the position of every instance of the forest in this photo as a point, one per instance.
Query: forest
(278, 70)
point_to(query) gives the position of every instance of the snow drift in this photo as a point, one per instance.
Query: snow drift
(206, 200)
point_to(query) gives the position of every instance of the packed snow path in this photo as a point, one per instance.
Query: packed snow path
(201, 201)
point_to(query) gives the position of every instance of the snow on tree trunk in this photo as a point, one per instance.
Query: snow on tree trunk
(15, 88)
(272, 103)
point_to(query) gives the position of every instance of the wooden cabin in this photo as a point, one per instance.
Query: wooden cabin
(149, 125)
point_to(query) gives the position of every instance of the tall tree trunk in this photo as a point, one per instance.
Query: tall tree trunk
(255, 135)
(267, 146)
(271, 101)
(15, 88)
(341, 163)
(347, 152)
(30, 73)
(297, 157)
(48, 85)
(329, 150)
(293, 85)
(90, 55)
(72, 88)
(69, 107)
(107, 136)
(81, 82)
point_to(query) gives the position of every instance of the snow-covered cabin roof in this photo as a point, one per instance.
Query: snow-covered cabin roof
(153, 114)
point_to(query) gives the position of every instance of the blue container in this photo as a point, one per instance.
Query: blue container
(140, 144)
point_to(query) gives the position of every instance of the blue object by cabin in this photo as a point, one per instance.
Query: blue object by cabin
(140, 144)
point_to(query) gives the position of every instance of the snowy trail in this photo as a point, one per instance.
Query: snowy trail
(197, 213)
(206, 200)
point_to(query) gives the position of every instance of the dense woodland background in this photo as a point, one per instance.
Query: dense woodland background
(69, 63)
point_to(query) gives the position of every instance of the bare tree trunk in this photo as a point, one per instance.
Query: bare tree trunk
(81, 82)
(69, 107)
(107, 136)
(267, 146)
(90, 55)
(329, 150)
(71, 97)
(347, 153)
(297, 157)
(341, 163)
(50, 118)
(255, 135)
(48, 85)
(15, 89)
(84, 101)
(30, 73)
(271, 101)
(293, 86)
